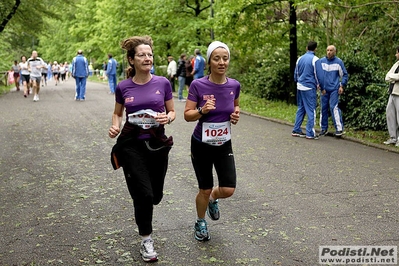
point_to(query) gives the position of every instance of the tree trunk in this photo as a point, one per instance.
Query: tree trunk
(291, 98)
(10, 15)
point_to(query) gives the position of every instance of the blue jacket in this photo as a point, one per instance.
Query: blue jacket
(305, 71)
(199, 67)
(331, 73)
(111, 67)
(80, 66)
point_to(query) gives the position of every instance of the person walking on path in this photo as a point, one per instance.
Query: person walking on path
(23, 65)
(199, 65)
(181, 74)
(35, 65)
(80, 72)
(392, 109)
(214, 101)
(333, 78)
(306, 79)
(111, 73)
(142, 146)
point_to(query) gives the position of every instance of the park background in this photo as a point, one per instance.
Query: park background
(265, 38)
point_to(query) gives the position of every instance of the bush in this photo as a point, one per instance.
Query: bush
(364, 100)
(268, 80)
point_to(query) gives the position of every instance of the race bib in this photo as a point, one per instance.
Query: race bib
(216, 134)
(144, 119)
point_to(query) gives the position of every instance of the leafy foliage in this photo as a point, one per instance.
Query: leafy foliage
(257, 32)
(365, 97)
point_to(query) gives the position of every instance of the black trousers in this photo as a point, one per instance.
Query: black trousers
(145, 172)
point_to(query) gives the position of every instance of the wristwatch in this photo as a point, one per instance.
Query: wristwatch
(199, 109)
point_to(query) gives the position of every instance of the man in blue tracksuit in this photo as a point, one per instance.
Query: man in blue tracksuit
(305, 77)
(111, 73)
(199, 65)
(333, 78)
(80, 72)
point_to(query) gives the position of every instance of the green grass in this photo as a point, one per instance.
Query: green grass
(4, 89)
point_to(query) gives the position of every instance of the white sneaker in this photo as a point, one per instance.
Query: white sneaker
(35, 98)
(147, 251)
(390, 141)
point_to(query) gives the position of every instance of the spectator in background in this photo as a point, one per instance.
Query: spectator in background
(189, 70)
(91, 69)
(171, 70)
(80, 72)
(111, 73)
(333, 78)
(199, 65)
(305, 77)
(105, 70)
(392, 111)
(15, 68)
(181, 74)
(49, 72)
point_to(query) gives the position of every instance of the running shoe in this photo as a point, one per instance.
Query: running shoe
(390, 141)
(298, 134)
(147, 251)
(315, 137)
(201, 230)
(323, 133)
(338, 133)
(213, 210)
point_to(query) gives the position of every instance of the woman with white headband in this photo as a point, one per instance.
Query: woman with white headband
(214, 101)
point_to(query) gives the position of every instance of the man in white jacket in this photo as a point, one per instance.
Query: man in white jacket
(392, 111)
(171, 70)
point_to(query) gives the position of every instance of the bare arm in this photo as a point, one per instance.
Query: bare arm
(235, 116)
(114, 130)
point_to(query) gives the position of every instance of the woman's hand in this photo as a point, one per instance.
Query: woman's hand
(113, 131)
(162, 118)
(209, 106)
(234, 117)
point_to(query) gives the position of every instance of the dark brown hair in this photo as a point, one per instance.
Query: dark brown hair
(130, 45)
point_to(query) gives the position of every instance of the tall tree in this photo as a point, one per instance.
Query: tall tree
(10, 14)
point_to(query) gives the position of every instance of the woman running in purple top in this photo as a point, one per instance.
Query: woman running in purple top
(214, 101)
(143, 147)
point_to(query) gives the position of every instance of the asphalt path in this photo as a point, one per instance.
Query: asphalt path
(61, 203)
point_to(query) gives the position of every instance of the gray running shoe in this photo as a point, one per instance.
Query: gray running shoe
(213, 210)
(201, 230)
(147, 251)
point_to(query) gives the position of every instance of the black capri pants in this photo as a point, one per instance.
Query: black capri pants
(205, 156)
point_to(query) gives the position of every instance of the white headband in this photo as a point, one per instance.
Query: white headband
(213, 46)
